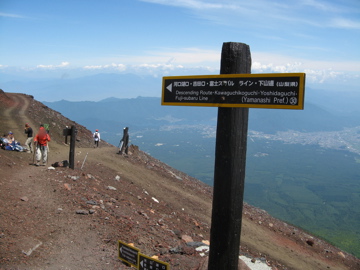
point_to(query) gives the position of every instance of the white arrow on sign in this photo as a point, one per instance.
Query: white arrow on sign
(169, 87)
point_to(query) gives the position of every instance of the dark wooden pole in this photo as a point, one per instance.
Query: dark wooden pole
(72, 148)
(229, 174)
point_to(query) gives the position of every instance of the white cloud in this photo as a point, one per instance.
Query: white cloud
(308, 12)
(320, 5)
(189, 57)
(192, 4)
(118, 67)
(195, 61)
(301, 63)
(62, 65)
(11, 15)
(345, 23)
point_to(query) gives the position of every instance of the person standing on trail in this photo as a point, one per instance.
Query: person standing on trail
(96, 137)
(41, 141)
(29, 133)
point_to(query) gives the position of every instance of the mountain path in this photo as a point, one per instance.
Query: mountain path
(15, 115)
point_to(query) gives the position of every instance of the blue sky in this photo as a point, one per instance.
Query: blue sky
(177, 37)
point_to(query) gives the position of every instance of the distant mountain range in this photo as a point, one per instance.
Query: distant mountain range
(145, 112)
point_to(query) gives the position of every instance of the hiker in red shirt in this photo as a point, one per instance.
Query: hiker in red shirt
(41, 139)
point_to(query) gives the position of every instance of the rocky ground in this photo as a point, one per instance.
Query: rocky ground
(59, 218)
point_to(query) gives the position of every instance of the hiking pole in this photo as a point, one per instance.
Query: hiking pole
(84, 161)
(47, 154)
(35, 148)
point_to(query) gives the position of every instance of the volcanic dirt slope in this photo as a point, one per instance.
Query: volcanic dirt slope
(45, 222)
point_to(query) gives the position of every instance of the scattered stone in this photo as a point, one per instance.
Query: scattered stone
(74, 178)
(24, 199)
(187, 238)
(310, 242)
(175, 250)
(155, 200)
(178, 178)
(30, 246)
(271, 225)
(203, 249)
(67, 186)
(206, 242)
(252, 263)
(117, 178)
(82, 212)
(195, 244)
(341, 254)
(177, 233)
(51, 168)
(111, 188)
(144, 214)
(91, 202)
(91, 211)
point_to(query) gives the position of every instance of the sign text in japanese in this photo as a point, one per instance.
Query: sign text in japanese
(275, 90)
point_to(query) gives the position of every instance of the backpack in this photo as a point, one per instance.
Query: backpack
(47, 127)
(96, 135)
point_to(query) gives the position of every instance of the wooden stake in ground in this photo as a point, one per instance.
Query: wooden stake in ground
(229, 173)
(72, 147)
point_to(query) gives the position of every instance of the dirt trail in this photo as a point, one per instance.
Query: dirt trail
(15, 116)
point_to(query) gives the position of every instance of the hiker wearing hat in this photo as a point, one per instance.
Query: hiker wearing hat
(29, 133)
(41, 141)
(10, 138)
(96, 137)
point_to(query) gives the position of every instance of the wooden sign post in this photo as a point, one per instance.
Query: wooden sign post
(72, 133)
(234, 91)
(229, 174)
